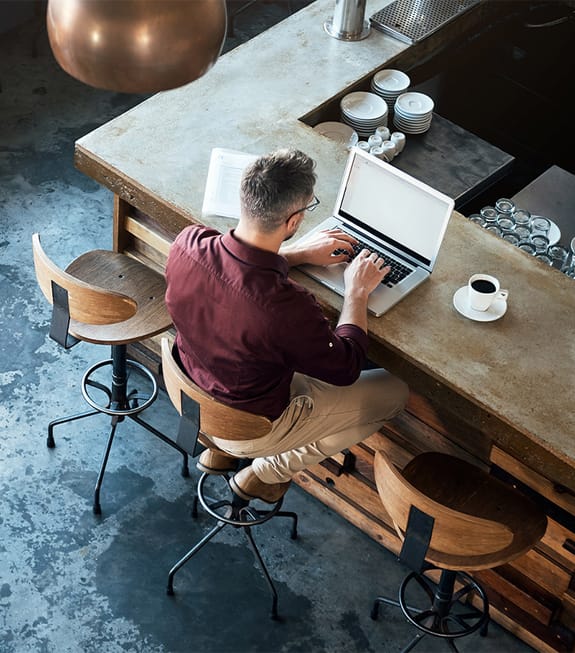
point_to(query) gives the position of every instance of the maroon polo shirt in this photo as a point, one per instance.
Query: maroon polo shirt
(244, 328)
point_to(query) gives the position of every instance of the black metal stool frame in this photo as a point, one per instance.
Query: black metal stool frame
(238, 513)
(438, 618)
(121, 402)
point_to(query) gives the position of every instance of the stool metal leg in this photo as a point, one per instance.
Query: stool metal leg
(97, 510)
(192, 552)
(274, 610)
(185, 468)
(50, 442)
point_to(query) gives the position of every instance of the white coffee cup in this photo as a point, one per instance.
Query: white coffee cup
(389, 149)
(483, 291)
(383, 132)
(399, 139)
(374, 140)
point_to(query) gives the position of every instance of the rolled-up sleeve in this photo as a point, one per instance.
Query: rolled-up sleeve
(335, 355)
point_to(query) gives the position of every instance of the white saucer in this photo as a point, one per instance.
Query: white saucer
(338, 132)
(494, 312)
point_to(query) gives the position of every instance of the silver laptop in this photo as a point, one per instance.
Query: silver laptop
(392, 213)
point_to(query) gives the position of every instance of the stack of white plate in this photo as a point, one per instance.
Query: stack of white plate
(364, 112)
(390, 84)
(337, 131)
(413, 113)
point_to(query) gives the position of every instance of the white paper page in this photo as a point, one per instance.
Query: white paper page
(222, 193)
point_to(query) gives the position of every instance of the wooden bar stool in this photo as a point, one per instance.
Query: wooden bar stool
(106, 298)
(453, 517)
(203, 415)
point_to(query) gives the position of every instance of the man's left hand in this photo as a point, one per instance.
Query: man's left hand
(324, 247)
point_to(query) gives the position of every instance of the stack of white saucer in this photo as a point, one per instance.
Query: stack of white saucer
(364, 112)
(413, 112)
(390, 84)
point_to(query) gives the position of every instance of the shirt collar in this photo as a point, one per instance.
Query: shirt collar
(253, 255)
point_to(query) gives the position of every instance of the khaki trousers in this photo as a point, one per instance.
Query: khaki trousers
(320, 421)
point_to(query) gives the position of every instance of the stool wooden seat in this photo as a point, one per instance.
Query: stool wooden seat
(106, 298)
(453, 516)
(202, 416)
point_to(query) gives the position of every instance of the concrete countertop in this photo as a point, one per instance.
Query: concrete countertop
(521, 368)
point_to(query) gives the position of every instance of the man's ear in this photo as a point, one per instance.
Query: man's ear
(294, 222)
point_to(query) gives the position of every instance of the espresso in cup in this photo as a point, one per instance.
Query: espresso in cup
(483, 286)
(484, 289)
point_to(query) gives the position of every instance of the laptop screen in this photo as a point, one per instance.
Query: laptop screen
(394, 207)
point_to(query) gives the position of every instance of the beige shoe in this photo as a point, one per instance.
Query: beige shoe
(248, 486)
(216, 462)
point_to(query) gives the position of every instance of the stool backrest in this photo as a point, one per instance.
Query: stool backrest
(459, 540)
(87, 303)
(216, 419)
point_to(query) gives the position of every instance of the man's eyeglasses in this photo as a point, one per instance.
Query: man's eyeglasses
(309, 207)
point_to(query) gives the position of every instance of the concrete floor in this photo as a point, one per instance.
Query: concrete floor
(71, 581)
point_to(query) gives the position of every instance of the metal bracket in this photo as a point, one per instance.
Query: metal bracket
(337, 469)
(61, 317)
(189, 427)
(417, 539)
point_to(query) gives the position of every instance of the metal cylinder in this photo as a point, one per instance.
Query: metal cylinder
(348, 22)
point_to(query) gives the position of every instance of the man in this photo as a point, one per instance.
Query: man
(256, 340)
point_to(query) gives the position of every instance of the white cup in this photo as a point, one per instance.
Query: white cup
(363, 145)
(389, 149)
(399, 139)
(383, 132)
(374, 140)
(483, 291)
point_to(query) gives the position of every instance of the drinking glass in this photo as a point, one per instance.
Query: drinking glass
(505, 221)
(522, 218)
(541, 243)
(477, 219)
(572, 247)
(526, 246)
(511, 237)
(489, 214)
(494, 229)
(558, 255)
(540, 226)
(542, 256)
(504, 205)
(522, 232)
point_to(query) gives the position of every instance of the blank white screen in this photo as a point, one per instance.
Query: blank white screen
(395, 207)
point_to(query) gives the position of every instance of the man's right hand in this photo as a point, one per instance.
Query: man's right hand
(365, 273)
(361, 276)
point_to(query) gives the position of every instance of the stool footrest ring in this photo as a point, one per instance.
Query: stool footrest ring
(122, 410)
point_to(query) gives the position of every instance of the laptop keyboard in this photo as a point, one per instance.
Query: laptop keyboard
(398, 271)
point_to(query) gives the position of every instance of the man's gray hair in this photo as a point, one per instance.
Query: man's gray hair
(274, 184)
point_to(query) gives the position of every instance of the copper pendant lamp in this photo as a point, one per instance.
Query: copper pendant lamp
(136, 46)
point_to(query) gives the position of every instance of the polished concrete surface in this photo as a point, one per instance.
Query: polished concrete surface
(71, 581)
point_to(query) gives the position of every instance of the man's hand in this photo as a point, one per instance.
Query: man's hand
(365, 273)
(361, 276)
(321, 248)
